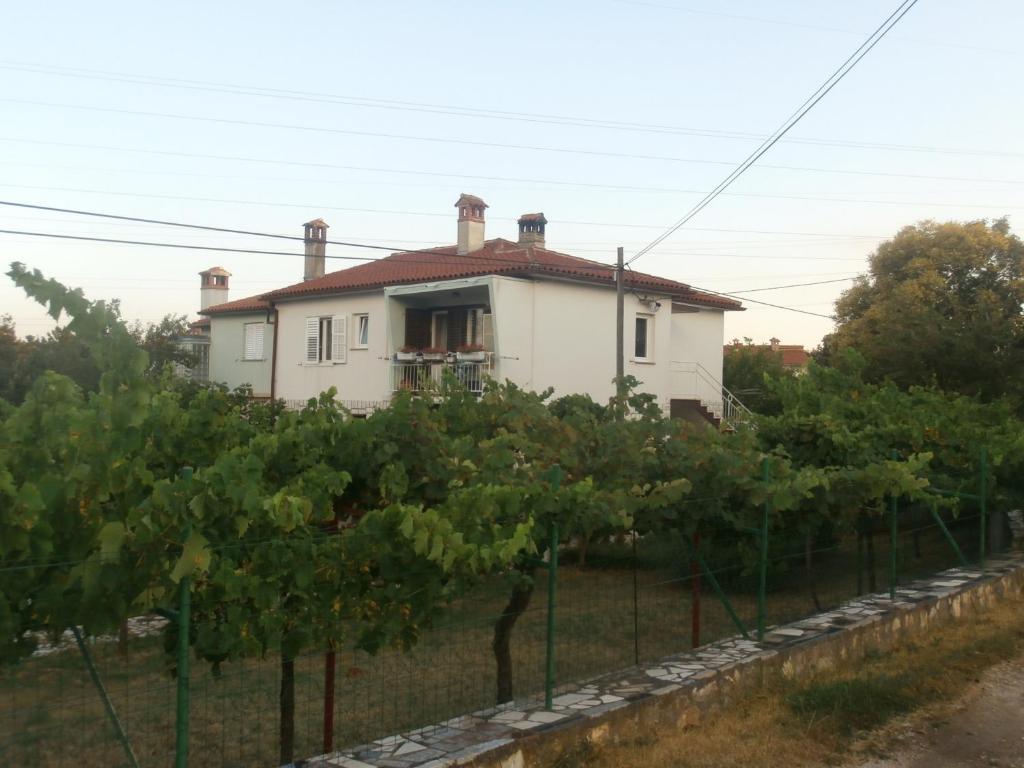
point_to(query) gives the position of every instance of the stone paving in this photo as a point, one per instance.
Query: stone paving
(139, 626)
(458, 741)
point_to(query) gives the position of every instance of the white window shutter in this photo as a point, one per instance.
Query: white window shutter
(254, 341)
(312, 339)
(339, 340)
(488, 332)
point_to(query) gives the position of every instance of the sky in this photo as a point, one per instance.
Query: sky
(613, 117)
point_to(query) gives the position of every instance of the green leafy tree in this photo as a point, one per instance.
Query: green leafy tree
(942, 304)
(745, 368)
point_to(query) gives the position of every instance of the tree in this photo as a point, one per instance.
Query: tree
(160, 340)
(23, 361)
(8, 357)
(942, 304)
(744, 370)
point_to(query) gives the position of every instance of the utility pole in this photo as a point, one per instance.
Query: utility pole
(620, 363)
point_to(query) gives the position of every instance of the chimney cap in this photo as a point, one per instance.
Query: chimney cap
(215, 271)
(533, 217)
(317, 223)
(465, 199)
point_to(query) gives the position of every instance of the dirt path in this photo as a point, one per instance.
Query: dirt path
(985, 728)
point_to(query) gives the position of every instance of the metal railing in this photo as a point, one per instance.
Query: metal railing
(692, 381)
(418, 375)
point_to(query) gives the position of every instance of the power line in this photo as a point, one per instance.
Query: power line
(799, 285)
(617, 224)
(460, 141)
(763, 303)
(347, 167)
(462, 111)
(261, 252)
(185, 246)
(353, 258)
(834, 79)
(818, 27)
(394, 250)
(479, 177)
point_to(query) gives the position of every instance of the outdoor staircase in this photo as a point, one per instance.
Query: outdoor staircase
(696, 394)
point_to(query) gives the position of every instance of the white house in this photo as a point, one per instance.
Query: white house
(479, 308)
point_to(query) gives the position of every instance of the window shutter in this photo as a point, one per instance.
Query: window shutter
(312, 339)
(254, 341)
(488, 331)
(339, 342)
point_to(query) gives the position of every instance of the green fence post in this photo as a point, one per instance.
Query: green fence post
(108, 705)
(766, 475)
(894, 534)
(184, 611)
(549, 669)
(860, 554)
(893, 541)
(982, 507)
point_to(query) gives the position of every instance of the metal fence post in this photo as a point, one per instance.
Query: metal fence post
(766, 475)
(549, 669)
(695, 592)
(329, 677)
(860, 554)
(893, 539)
(184, 616)
(983, 506)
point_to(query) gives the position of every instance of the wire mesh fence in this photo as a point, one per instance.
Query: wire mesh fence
(618, 603)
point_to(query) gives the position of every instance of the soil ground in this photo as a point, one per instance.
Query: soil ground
(985, 727)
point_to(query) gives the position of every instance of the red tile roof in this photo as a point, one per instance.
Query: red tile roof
(249, 304)
(793, 355)
(497, 257)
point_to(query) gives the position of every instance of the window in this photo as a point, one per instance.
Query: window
(326, 340)
(253, 344)
(362, 323)
(643, 348)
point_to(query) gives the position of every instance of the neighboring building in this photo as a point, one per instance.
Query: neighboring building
(197, 343)
(794, 356)
(479, 308)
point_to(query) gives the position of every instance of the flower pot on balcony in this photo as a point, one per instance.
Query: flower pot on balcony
(472, 357)
(406, 357)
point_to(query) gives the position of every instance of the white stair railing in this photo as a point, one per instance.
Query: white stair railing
(692, 381)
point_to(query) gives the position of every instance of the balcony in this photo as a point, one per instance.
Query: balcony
(417, 373)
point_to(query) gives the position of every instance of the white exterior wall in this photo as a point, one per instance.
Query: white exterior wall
(512, 312)
(547, 333)
(562, 334)
(697, 337)
(227, 347)
(363, 375)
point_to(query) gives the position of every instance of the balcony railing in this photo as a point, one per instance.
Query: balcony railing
(422, 374)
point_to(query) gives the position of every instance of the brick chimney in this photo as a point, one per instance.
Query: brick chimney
(471, 223)
(316, 249)
(531, 229)
(213, 286)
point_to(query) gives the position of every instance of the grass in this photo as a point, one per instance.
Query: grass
(51, 716)
(840, 717)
